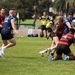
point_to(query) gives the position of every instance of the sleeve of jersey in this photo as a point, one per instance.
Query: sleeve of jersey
(12, 18)
(66, 20)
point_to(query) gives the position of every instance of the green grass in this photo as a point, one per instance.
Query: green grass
(24, 59)
(30, 21)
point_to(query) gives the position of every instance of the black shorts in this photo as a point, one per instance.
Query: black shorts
(63, 49)
(6, 35)
(54, 35)
(43, 27)
(49, 29)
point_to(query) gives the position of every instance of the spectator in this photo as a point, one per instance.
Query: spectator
(44, 20)
(2, 17)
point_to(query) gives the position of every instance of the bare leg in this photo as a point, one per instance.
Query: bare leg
(12, 43)
(45, 33)
(41, 33)
(47, 50)
(55, 43)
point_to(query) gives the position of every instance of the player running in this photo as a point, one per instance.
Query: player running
(7, 32)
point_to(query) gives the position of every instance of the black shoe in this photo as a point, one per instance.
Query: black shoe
(41, 35)
(47, 37)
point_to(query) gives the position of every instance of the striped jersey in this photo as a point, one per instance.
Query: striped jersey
(67, 39)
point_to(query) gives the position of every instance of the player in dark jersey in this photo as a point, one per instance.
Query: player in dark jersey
(63, 46)
(68, 21)
(2, 17)
(7, 32)
(55, 35)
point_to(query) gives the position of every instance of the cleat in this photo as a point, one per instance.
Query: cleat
(51, 58)
(47, 37)
(66, 57)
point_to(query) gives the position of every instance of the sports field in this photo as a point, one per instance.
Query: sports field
(24, 59)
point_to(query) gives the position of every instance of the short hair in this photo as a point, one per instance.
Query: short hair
(12, 9)
(71, 12)
(60, 18)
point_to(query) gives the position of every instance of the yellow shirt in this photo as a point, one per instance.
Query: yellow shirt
(44, 20)
(48, 25)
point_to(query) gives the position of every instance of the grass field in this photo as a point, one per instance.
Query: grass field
(30, 21)
(24, 59)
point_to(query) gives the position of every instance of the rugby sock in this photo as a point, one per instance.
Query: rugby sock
(3, 49)
(44, 51)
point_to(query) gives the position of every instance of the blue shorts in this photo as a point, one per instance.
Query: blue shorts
(6, 35)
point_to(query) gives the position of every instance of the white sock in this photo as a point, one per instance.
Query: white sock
(3, 49)
(49, 49)
(44, 51)
(68, 57)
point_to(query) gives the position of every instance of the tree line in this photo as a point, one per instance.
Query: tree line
(28, 8)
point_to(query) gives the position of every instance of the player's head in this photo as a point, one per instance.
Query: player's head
(12, 12)
(70, 14)
(44, 13)
(59, 19)
(2, 10)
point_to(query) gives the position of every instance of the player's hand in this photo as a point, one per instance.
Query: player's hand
(14, 32)
(1, 26)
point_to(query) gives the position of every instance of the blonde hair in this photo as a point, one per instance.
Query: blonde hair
(60, 18)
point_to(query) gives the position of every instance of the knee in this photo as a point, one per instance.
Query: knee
(14, 43)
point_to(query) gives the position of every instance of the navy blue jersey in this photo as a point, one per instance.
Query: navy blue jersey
(66, 30)
(7, 23)
(69, 20)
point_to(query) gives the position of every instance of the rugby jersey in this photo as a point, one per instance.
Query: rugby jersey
(60, 29)
(44, 20)
(67, 39)
(2, 19)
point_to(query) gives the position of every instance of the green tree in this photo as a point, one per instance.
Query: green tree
(44, 5)
(60, 5)
(26, 7)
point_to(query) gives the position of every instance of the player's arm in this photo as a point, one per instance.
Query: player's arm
(56, 40)
(55, 29)
(68, 24)
(13, 26)
(1, 26)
